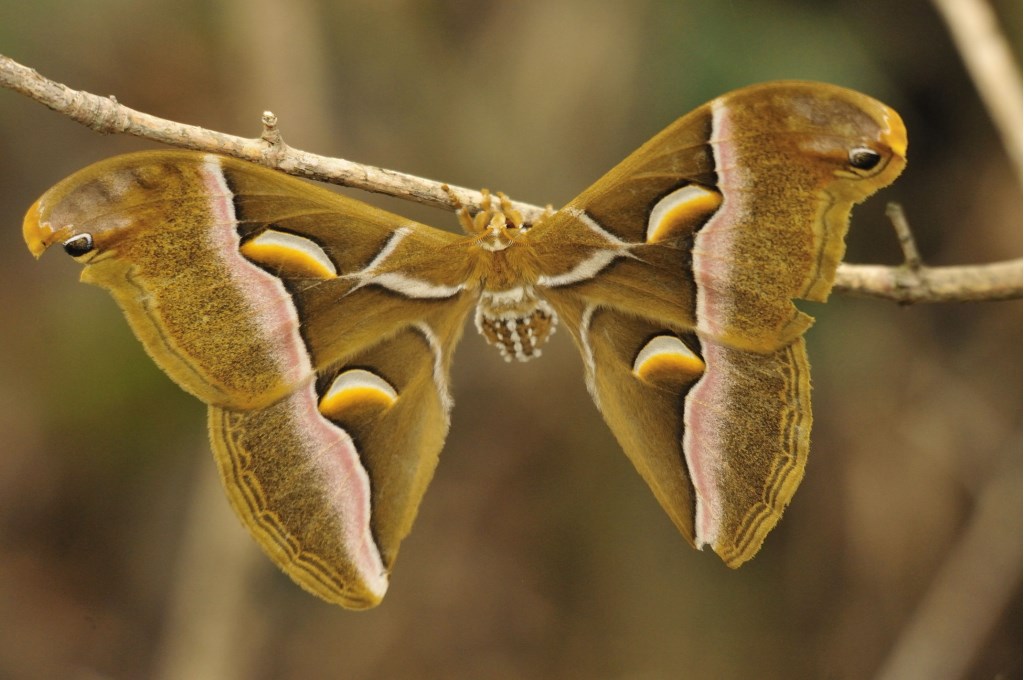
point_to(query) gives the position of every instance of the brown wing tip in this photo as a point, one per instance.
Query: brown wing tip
(735, 557)
(40, 235)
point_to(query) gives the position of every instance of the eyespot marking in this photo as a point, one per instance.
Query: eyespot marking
(78, 245)
(863, 158)
(685, 207)
(357, 390)
(291, 254)
(666, 359)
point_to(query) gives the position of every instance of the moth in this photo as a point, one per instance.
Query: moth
(320, 330)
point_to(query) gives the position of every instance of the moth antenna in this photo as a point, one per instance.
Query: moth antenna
(466, 221)
(511, 214)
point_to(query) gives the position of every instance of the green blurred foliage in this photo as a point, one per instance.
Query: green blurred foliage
(538, 553)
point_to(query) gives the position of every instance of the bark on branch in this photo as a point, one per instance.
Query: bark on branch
(906, 284)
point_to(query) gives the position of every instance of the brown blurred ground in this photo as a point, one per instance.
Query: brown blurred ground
(538, 552)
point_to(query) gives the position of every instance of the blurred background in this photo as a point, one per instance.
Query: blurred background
(538, 552)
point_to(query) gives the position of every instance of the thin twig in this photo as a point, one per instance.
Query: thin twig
(998, 281)
(991, 65)
(908, 244)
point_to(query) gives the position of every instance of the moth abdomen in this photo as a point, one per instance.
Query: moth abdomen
(515, 321)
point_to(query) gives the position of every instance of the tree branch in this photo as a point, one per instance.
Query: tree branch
(906, 284)
(991, 65)
(914, 282)
(106, 115)
(998, 281)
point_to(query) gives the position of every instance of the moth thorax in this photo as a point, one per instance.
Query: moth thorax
(515, 321)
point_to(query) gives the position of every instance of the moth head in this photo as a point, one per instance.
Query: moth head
(494, 227)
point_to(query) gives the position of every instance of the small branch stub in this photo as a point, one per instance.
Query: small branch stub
(908, 277)
(271, 135)
(275, 148)
(911, 255)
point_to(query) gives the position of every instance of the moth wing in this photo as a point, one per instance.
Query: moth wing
(676, 272)
(317, 328)
(720, 435)
(755, 188)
